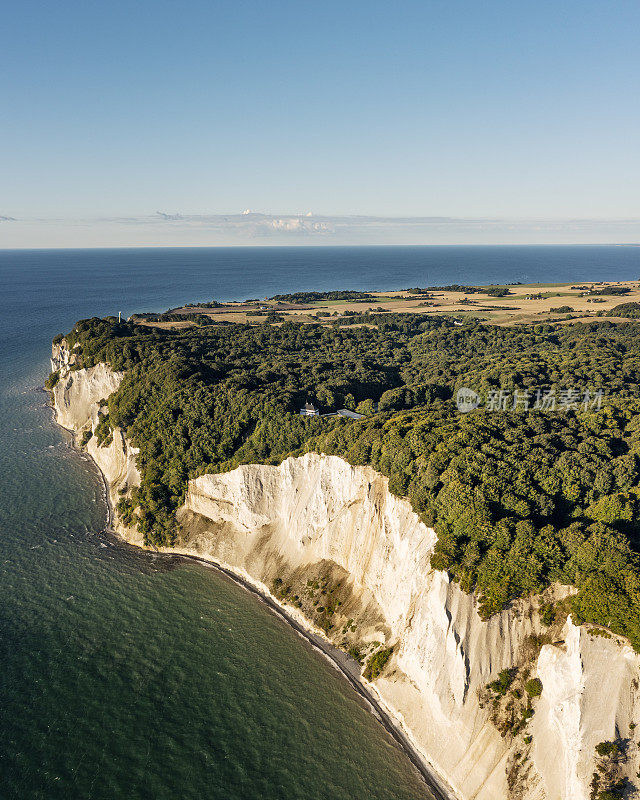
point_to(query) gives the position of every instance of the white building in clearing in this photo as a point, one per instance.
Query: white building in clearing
(309, 410)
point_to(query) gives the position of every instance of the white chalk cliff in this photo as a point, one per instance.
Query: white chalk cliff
(317, 517)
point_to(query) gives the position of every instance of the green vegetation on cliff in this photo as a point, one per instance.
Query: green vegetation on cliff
(377, 662)
(519, 498)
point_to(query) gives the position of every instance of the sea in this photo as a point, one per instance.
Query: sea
(127, 675)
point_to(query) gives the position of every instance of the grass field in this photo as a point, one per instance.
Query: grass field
(516, 307)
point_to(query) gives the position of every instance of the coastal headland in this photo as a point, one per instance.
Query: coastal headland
(472, 574)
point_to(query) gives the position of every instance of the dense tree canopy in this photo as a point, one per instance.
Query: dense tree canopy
(494, 291)
(313, 297)
(519, 497)
(631, 310)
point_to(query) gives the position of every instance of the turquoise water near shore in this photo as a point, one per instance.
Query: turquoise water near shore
(130, 675)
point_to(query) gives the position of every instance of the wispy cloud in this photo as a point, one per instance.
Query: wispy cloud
(253, 223)
(250, 223)
(163, 228)
(167, 217)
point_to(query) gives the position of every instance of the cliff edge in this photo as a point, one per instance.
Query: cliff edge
(503, 708)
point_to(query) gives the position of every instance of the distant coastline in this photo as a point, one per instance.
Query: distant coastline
(507, 303)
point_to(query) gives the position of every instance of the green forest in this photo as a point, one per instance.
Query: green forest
(520, 498)
(314, 297)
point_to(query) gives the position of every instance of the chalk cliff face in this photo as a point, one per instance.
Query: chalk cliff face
(78, 394)
(77, 398)
(315, 524)
(283, 521)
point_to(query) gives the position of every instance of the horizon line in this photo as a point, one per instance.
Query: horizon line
(318, 245)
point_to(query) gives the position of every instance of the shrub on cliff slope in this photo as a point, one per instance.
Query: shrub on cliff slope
(533, 687)
(377, 662)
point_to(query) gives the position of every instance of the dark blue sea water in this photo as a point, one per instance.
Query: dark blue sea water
(125, 675)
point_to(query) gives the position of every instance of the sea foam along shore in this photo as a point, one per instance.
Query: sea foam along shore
(346, 666)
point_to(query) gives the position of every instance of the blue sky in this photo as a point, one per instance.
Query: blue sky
(520, 113)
